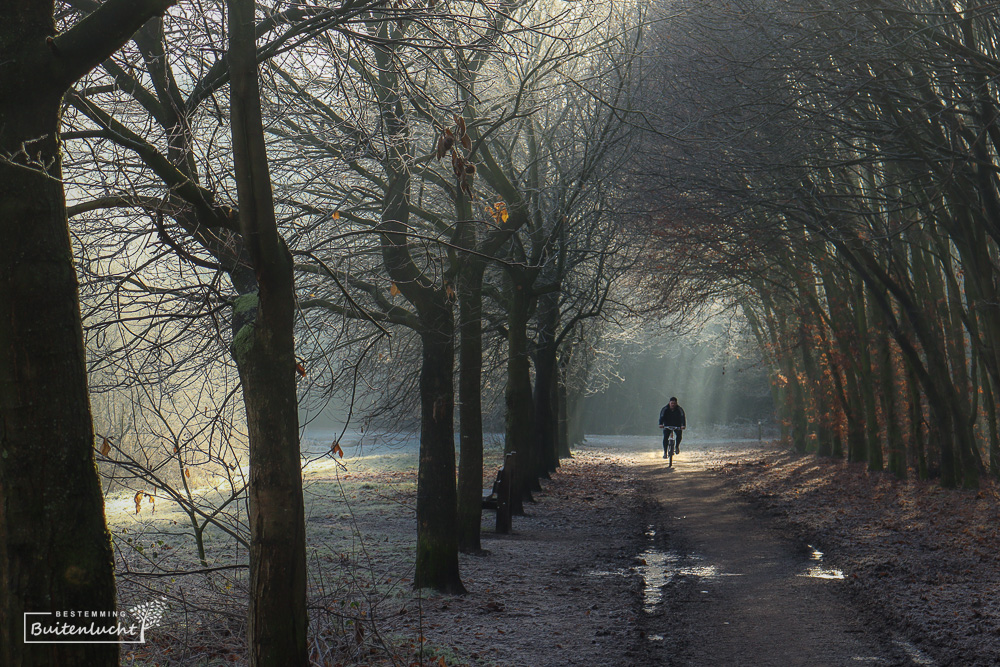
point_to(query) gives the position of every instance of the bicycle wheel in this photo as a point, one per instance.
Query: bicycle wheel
(670, 451)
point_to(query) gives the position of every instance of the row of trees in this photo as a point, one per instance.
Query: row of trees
(837, 165)
(398, 164)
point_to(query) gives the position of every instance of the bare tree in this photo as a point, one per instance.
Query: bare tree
(265, 353)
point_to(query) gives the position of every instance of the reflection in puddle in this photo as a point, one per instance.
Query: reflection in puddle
(818, 571)
(823, 573)
(658, 568)
(652, 568)
(916, 655)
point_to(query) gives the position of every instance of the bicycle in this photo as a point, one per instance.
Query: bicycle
(671, 444)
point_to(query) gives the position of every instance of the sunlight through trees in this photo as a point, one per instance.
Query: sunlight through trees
(458, 218)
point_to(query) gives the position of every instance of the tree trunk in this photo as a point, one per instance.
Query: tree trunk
(866, 382)
(265, 354)
(437, 497)
(437, 494)
(937, 378)
(817, 403)
(575, 433)
(990, 406)
(55, 550)
(520, 409)
(931, 371)
(797, 407)
(856, 443)
(546, 412)
(546, 370)
(562, 401)
(918, 450)
(894, 434)
(470, 409)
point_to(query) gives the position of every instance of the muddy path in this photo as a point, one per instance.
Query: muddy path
(623, 561)
(734, 590)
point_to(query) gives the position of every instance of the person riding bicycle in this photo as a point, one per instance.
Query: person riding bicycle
(672, 415)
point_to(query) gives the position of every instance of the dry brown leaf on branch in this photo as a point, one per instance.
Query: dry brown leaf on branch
(138, 501)
(300, 369)
(445, 142)
(393, 290)
(105, 447)
(463, 135)
(335, 449)
(499, 212)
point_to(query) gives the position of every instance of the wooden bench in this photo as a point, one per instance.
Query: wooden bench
(498, 498)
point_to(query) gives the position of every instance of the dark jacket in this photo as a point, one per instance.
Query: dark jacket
(670, 417)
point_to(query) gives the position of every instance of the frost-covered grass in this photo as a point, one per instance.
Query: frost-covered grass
(360, 531)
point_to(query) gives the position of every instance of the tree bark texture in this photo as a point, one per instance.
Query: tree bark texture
(470, 472)
(265, 354)
(520, 409)
(562, 403)
(873, 444)
(893, 431)
(546, 409)
(437, 497)
(55, 550)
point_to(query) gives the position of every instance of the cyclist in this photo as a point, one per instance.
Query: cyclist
(672, 415)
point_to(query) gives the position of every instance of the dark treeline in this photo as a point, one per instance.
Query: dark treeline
(836, 165)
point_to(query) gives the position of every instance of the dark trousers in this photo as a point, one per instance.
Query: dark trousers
(677, 439)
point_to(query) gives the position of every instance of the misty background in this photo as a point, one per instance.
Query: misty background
(715, 370)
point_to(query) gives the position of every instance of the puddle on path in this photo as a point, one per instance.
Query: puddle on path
(916, 655)
(658, 568)
(817, 571)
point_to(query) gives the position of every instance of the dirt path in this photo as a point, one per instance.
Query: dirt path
(625, 562)
(734, 590)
